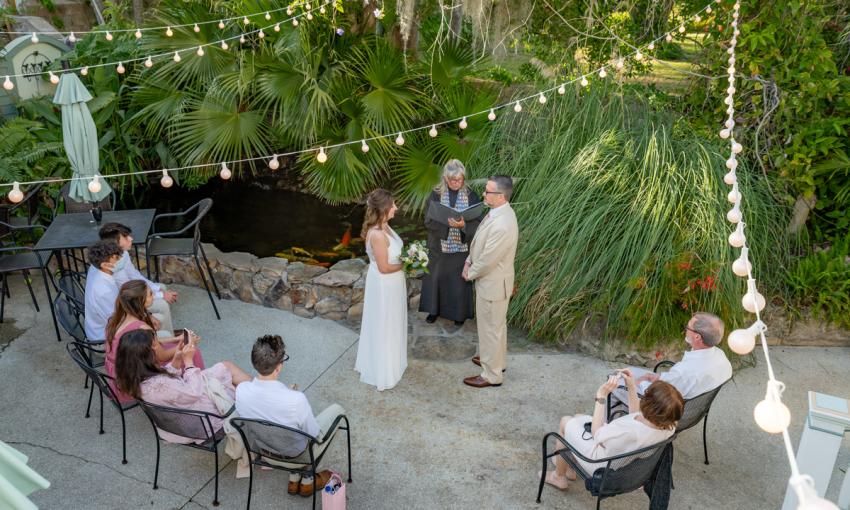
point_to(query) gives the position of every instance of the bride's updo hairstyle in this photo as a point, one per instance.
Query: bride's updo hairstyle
(378, 205)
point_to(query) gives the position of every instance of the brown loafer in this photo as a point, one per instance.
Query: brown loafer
(476, 360)
(477, 381)
(320, 480)
(292, 489)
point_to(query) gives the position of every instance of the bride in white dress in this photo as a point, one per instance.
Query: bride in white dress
(382, 352)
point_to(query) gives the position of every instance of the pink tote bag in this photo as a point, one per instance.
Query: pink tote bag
(334, 500)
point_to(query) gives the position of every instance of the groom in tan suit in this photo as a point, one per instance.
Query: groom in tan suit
(491, 265)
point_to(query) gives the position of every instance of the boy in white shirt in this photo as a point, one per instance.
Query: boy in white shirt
(162, 298)
(266, 398)
(101, 289)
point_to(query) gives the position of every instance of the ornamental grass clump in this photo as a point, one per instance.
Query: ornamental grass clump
(622, 217)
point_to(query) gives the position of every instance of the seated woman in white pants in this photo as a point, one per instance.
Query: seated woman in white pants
(651, 420)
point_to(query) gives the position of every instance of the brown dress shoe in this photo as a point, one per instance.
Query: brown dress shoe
(292, 489)
(476, 381)
(476, 360)
(321, 480)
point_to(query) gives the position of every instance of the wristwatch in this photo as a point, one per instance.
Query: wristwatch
(600, 400)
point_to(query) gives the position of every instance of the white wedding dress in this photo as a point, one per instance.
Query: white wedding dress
(382, 352)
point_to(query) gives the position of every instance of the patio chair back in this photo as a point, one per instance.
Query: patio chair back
(70, 284)
(272, 440)
(107, 203)
(631, 471)
(182, 422)
(69, 317)
(84, 356)
(696, 409)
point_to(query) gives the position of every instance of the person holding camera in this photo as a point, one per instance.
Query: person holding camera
(651, 420)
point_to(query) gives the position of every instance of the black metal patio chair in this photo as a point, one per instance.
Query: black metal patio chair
(266, 441)
(621, 473)
(23, 259)
(160, 244)
(70, 283)
(71, 320)
(195, 425)
(84, 356)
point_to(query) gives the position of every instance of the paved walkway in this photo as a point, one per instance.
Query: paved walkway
(429, 443)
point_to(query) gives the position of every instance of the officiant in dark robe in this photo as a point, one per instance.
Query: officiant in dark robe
(444, 292)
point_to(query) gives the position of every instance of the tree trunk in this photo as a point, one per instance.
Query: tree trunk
(802, 208)
(138, 9)
(456, 23)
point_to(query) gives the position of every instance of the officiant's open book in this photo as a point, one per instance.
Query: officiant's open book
(442, 213)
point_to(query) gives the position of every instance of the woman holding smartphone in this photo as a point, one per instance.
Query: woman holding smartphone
(131, 313)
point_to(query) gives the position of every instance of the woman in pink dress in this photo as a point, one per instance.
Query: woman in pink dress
(131, 313)
(179, 384)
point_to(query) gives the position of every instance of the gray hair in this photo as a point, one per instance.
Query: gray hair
(453, 168)
(710, 327)
(504, 185)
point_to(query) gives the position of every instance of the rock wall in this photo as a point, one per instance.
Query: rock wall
(305, 290)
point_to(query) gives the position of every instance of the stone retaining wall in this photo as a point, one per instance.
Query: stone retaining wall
(306, 290)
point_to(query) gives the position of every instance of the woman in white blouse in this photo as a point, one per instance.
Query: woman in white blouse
(651, 420)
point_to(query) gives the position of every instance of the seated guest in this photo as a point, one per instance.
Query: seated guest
(702, 369)
(178, 384)
(651, 420)
(160, 308)
(131, 313)
(266, 398)
(101, 289)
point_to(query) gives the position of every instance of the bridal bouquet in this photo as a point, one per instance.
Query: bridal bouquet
(415, 258)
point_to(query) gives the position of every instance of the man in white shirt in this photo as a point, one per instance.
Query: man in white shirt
(101, 288)
(266, 398)
(162, 298)
(702, 369)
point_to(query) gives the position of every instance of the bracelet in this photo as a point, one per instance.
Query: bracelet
(600, 400)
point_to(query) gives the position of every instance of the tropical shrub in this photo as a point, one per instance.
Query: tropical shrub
(820, 282)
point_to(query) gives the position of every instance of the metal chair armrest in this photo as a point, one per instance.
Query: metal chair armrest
(572, 450)
(663, 363)
(173, 215)
(334, 426)
(21, 227)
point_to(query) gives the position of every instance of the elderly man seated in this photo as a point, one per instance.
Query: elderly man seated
(702, 369)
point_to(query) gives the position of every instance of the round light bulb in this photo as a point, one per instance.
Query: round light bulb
(108, 36)
(225, 172)
(732, 163)
(294, 22)
(730, 178)
(737, 237)
(729, 123)
(562, 90)
(463, 124)
(72, 38)
(742, 266)
(364, 146)
(245, 20)
(7, 84)
(735, 15)
(166, 180)
(602, 73)
(752, 305)
(53, 78)
(619, 63)
(741, 341)
(200, 51)
(321, 157)
(308, 6)
(517, 107)
(169, 32)
(268, 16)
(138, 34)
(668, 38)
(277, 27)
(541, 98)
(433, 131)
(94, 185)
(289, 11)
(242, 39)
(274, 164)
(725, 133)
(120, 68)
(261, 34)
(16, 195)
(734, 215)
(681, 29)
(196, 28)
(584, 81)
(638, 56)
(309, 16)
(177, 56)
(84, 71)
(728, 100)
(491, 115)
(731, 90)
(697, 18)
(34, 38)
(807, 495)
(737, 147)
(221, 24)
(708, 9)
(399, 139)
(772, 416)
(224, 45)
(734, 196)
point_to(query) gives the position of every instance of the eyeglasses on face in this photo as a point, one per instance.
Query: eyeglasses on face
(285, 357)
(691, 330)
(493, 193)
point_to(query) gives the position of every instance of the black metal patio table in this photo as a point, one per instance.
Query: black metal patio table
(79, 231)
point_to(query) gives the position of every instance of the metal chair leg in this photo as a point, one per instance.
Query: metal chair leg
(50, 305)
(209, 271)
(101, 411)
(542, 472)
(91, 394)
(598, 502)
(123, 437)
(86, 383)
(28, 281)
(156, 469)
(348, 441)
(206, 285)
(215, 498)
(250, 482)
(148, 262)
(704, 443)
(313, 468)
(3, 296)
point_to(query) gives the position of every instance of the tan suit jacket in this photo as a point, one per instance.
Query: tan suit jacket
(492, 253)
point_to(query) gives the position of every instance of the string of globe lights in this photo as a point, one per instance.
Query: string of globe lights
(168, 29)
(321, 152)
(770, 414)
(198, 49)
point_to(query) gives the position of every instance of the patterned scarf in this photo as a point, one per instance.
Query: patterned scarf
(453, 243)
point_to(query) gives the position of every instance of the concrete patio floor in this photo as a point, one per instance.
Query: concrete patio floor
(430, 442)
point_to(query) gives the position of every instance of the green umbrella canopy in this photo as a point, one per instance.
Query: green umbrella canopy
(80, 137)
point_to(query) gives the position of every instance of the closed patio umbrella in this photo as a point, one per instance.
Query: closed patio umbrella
(79, 136)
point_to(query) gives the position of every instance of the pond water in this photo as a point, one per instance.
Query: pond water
(256, 217)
